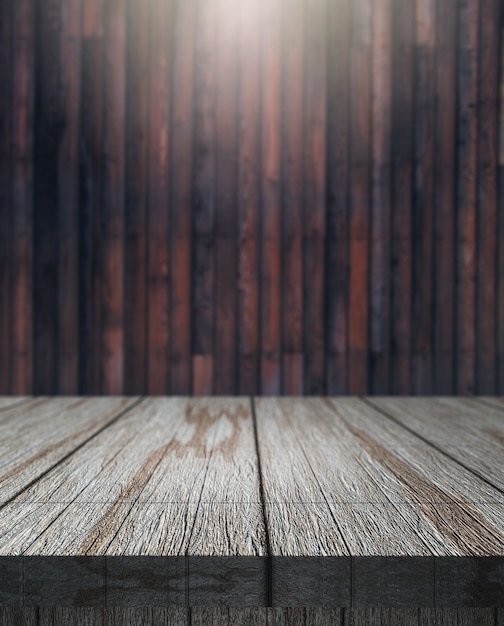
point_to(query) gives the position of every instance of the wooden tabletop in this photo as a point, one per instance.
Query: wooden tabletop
(252, 501)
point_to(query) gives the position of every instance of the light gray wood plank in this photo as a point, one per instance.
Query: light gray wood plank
(495, 401)
(18, 616)
(464, 510)
(471, 433)
(70, 616)
(39, 434)
(7, 402)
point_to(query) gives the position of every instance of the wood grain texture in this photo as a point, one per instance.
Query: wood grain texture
(473, 435)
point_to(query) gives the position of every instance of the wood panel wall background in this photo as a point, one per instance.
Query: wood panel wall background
(264, 196)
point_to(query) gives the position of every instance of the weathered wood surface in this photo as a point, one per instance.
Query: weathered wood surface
(320, 502)
(254, 616)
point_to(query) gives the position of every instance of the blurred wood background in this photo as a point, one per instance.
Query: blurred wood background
(255, 197)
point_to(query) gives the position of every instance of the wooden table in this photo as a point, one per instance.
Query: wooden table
(280, 502)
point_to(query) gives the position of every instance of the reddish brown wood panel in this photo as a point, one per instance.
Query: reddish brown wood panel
(275, 197)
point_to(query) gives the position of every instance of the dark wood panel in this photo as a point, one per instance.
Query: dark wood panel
(275, 197)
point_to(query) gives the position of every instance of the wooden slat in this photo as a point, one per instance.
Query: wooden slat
(380, 195)
(423, 190)
(487, 212)
(7, 402)
(22, 103)
(135, 210)
(500, 200)
(112, 294)
(6, 66)
(402, 156)
(314, 196)
(37, 435)
(204, 196)
(337, 210)
(159, 142)
(68, 201)
(181, 199)
(91, 195)
(444, 196)
(248, 198)
(47, 122)
(292, 208)
(270, 195)
(226, 76)
(467, 129)
(471, 434)
(359, 173)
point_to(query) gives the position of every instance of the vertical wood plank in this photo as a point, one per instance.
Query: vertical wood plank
(248, 198)
(380, 199)
(500, 269)
(402, 155)
(112, 295)
(423, 190)
(204, 198)
(360, 102)
(158, 271)
(467, 129)
(225, 211)
(91, 195)
(47, 136)
(487, 197)
(444, 197)
(270, 197)
(292, 205)
(314, 196)
(135, 217)
(338, 190)
(68, 201)
(181, 200)
(5, 188)
(22, 198)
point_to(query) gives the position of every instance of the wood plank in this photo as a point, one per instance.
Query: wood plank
(292, 207)
(6, 402)
(402, 176)
(26, 616)
(314, 196)
(91, 195)
(204, 197)
(23, 86)
(500, 261)
(67, 354)
(444, 480)
(471, 434)
(248, 199)
(434, 617)
(73, 616)
(380, 197)
(360, 107)
(337, 209)
(6, 66)
(444, 196)
(270, 195)
(135, 209)
(467, 129)
(112, 293)
(37, 436)
(423, 190)
(226, 76)
(159, 143)
(487, 197)
(181, 198)
(47, 124)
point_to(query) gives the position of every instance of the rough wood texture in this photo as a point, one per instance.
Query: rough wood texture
(322, 502)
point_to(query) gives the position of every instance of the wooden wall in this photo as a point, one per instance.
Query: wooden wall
(264, 196)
